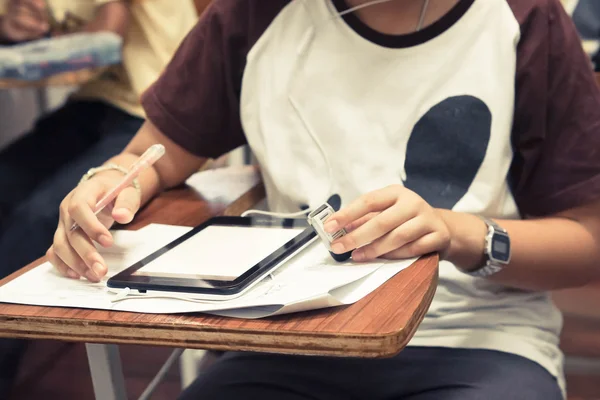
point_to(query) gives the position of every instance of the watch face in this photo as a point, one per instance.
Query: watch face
(500, 248)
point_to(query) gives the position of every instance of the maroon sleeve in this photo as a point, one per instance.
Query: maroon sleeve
(195, 101)
(556, 133)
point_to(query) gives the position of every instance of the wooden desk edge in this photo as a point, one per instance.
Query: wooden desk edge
(383, 344)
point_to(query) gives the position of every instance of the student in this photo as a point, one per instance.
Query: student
(423, 116)
(97, 122)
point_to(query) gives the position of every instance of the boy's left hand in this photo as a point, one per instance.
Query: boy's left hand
(392, 223)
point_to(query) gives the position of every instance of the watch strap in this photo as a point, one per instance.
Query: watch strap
(490, 222)
(489, 267)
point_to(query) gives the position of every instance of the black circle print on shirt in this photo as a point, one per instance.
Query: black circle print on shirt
(446, 149)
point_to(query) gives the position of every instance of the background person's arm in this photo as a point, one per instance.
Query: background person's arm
(23, 20)
(112, 16)
(26, 20)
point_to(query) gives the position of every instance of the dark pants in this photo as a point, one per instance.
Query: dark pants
(40, 169)
(417, 373)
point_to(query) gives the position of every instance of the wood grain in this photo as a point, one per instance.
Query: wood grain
(379, 325)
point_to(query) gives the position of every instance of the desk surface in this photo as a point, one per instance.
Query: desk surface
(379, 325)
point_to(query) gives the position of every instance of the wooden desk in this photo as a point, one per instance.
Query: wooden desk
(379, 325)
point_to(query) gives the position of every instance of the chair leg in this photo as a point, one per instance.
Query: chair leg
(193, 362)
(106, 371)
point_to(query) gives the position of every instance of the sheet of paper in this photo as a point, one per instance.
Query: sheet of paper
(309, 280)
(239, 180)
(220, 252)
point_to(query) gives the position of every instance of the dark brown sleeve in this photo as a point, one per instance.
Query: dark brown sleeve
(556, 133)
(195, 101)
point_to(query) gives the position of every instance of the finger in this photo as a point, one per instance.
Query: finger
(377, 200)
(410, 231)
(359, 222)
(28, 8)
(80, 210)
(105, 216)
(429, 243)
(36, 8)
(86, 250)
(373, 229)
(126, 205)
(63, 250)
(93, 267)
(60, 265)
(26, 24)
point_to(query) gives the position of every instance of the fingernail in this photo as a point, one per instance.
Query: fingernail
(105, 240)
(331, 226)
(358, 255)
(72, 274)
(99, 269)
(337, 248)
(91, 276)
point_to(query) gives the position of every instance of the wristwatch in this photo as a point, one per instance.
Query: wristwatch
(497, 250)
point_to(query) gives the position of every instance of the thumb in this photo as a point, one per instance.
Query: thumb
(126, 205)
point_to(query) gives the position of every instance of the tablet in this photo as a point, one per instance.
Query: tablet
(219, 259)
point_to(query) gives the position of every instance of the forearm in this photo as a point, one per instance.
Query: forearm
(149, 179)
(547, 253)
(110, 17)
(169, 171)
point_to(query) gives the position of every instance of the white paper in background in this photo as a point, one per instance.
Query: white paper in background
(591, 46)
(220, 252)
(310, 280)
(239, 180)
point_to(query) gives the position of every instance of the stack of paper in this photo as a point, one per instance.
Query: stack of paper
(310, 280)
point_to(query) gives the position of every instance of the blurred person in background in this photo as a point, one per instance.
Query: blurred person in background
(97, 121)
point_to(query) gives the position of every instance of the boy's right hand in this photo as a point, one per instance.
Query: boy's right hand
(73, 253)
(24, 20)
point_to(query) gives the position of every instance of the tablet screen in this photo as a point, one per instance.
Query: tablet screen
(219, 252)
